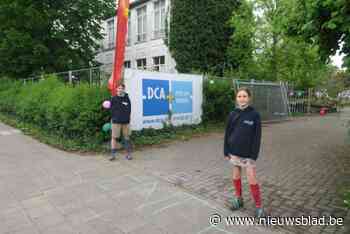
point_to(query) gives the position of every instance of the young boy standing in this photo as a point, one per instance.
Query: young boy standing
(121, 110)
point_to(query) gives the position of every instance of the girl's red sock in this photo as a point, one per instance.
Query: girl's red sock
(255, 191)
(237, 183)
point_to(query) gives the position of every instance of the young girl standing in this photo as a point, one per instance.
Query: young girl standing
(241, 147)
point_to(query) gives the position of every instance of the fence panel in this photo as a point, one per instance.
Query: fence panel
(268, 98)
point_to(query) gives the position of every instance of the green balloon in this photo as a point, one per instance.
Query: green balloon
(107, 127)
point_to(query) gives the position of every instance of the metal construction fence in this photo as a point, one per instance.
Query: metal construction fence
(93, 76)
(269, 98)
(276, 100)
(300, 100)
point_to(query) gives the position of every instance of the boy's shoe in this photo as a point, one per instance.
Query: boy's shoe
(236, 203)
(259, 212)
(128, 157)
(112, 158)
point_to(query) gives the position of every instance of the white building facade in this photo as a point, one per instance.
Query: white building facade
(145, 40)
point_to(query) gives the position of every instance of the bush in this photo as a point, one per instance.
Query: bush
(70, 113)
(72, 117)
(8, 96)
(218, 99)
(32, 100)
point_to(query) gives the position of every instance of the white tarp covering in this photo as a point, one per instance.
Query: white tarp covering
(154, 95)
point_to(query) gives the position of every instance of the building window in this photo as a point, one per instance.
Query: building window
(128, 40)
(159, 19)
(141, 63)
(127, 64)
(110, 34)
(141, 24)
(158, 63)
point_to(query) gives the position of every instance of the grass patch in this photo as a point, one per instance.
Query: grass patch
(347, 198)
(343, 192)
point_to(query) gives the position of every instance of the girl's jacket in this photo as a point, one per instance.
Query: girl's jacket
(243, 133)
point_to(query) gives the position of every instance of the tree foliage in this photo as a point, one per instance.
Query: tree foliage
(324, 23)
(242, 42)
(262, 47)
(46, 36)
(199, 34)
(337, 82)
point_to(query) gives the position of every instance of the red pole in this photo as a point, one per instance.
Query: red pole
(119, 52)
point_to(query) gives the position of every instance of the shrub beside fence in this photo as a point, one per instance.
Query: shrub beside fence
(57, 108)
(218, 99)
(71, 117)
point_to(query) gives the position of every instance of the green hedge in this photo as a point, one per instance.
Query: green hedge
(70, 113)
(73, 116)
(76, 111)
(218, 99)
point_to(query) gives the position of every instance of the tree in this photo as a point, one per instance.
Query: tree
(261, 47)
(270, 32)
(300, 63)
(257, 38)
(242, 45)
(47, 36)
(324, 23)
(338, 81)
(199, 34)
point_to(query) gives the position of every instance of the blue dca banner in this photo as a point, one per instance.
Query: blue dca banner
(155, 97)
(160, 96)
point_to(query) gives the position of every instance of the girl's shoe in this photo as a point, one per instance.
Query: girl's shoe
(259, 212)
(236, 203)
(128, 157)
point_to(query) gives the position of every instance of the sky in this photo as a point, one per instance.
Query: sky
(337, 59)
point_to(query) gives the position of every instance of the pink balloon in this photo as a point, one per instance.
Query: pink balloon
(106, 104)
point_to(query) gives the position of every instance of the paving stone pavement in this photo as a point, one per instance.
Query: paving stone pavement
(302, 165)
(47, 191)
